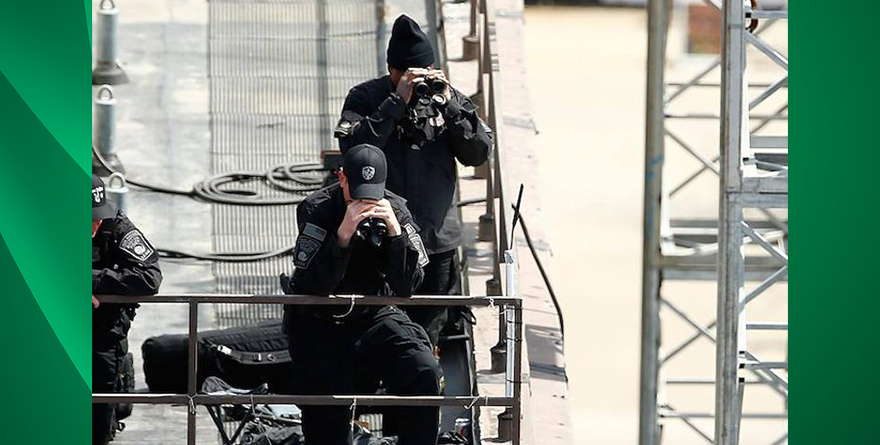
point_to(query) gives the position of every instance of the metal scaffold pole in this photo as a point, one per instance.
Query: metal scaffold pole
(747, 181)
(658, 23)
(734, 133)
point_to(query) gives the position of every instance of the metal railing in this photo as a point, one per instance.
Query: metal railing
(511, 316)
(498, 219)
(483, 26)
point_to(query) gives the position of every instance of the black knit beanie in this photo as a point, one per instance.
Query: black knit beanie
(409, 46)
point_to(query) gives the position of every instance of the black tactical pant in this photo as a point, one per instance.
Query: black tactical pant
(352, 357)
(441, 278)
(109, 346)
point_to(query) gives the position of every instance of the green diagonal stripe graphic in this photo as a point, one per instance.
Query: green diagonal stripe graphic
(45, 55)
(45, 136)
(44, 238)
(40, 385)
(87, 10)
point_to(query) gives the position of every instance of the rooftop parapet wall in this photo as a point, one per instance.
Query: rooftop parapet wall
(546, 410)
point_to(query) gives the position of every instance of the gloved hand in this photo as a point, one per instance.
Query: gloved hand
(286, 284)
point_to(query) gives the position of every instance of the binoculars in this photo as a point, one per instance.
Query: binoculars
(425, 111)
(430, 88)
(372, 231)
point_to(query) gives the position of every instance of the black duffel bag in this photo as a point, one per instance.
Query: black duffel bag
(244, 357)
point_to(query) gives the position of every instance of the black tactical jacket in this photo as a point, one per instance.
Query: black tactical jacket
(123, 263)
(324, 268)
(425, 176)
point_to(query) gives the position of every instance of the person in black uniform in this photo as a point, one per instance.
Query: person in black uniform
(123, 263)
(342, 350)
(422, 171)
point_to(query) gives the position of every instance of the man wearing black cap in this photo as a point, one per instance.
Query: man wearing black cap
(342, 350)
(377, 112)
(123, 263)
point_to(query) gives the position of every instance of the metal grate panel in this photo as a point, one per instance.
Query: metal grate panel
(278, 71)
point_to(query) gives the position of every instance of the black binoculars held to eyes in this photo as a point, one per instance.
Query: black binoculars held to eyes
(372, 231)
(425, 110)
(429, 87)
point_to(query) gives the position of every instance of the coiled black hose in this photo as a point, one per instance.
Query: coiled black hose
(291, 178)
(298, 179)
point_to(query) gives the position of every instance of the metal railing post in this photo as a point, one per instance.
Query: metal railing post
(105, 131)
(493, 285)
(513, 377)
(117, 191)
(481, 171)
(498, 189)
(107, 70)
(490, 223)
(192, 371)
(470, 44)
(486, 227)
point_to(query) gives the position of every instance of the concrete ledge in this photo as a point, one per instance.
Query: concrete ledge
(547, 417)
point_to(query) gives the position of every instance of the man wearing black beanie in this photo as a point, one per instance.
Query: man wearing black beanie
(378, 112)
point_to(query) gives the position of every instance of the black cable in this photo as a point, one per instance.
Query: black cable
(517, 216)
(212, 189)
(516, 208)
(525, 230)
(225, 257)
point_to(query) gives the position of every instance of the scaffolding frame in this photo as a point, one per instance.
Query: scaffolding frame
(753, 174)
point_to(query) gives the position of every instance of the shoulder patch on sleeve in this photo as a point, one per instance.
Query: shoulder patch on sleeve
(314, 232)
(307, 245)
(410, 229)
(305, 251)
(416, 241)
(134, 244)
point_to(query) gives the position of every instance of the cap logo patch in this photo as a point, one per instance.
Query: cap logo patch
(98, 194)
(368, 172)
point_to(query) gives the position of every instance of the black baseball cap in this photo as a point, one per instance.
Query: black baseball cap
(101, 208)
(365, 168)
